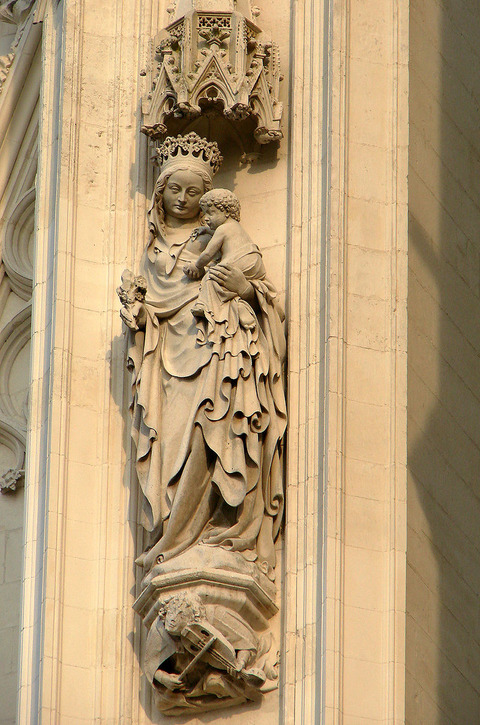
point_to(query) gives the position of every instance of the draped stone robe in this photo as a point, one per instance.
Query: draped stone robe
(208, 419)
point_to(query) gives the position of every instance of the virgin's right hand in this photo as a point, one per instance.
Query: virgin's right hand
(135, 321)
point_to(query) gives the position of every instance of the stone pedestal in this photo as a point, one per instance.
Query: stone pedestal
(231, 601)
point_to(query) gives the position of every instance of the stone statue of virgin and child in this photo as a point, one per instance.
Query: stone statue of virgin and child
(206, 350)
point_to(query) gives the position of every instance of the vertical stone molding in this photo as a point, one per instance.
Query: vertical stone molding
(346, 518)
(303, 664)
(364, 574)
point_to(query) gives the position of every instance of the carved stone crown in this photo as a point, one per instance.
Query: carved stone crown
(191, 150)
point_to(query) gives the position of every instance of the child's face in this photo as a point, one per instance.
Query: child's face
(213, 217)
(176, 620)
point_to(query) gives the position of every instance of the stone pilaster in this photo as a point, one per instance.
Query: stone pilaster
(77, 663)
(365, 422)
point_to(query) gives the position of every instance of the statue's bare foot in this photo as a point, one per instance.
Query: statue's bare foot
(246, 316)
(198, 310)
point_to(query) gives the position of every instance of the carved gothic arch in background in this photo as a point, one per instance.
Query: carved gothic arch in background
(18, 155)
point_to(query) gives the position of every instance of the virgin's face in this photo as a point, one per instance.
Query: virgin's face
(182, 194)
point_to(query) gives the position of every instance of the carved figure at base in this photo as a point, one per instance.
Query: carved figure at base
(221, 211)
(198, 655)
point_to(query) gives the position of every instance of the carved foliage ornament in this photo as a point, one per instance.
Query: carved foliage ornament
(215, 61)
(11, 480)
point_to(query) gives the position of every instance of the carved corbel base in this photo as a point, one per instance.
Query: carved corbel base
(209, 644)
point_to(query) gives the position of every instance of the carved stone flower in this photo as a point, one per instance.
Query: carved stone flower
(11, 480)
(215, 34)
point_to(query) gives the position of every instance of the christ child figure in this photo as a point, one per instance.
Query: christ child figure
(230, 243)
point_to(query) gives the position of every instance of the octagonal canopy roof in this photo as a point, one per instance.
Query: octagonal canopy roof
(212, 6)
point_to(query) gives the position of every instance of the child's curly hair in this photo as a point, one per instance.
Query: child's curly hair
(224, 200)
(189, 604)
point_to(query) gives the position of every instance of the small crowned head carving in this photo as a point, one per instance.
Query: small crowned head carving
(190, 151)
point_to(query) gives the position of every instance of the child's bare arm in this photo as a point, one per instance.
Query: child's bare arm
(192, 271)
(213, 247)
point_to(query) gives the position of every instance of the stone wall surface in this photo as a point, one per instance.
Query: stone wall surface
(443, 641)
(366, 364)
(11, 533)
(329, 213)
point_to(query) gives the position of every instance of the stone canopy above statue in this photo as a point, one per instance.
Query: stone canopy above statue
(212, 59)
(182, 7)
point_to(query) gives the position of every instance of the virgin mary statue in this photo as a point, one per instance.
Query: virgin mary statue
(208, 418)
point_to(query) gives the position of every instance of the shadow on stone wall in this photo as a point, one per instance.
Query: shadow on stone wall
(443, 579)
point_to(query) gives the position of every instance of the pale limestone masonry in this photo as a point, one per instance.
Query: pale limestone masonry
(11, 533)
(376, 625)
(443, 556)
(339, 202)
(366, 359)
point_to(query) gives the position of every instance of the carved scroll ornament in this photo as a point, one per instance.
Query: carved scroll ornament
(206, 349)
(215, 60)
